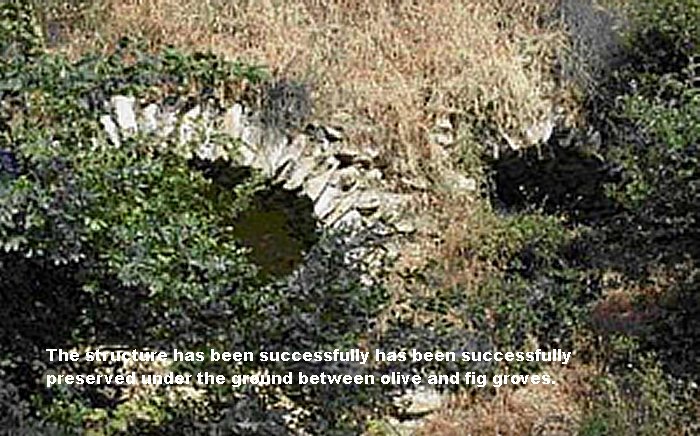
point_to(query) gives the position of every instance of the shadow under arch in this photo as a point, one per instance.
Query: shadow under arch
(279, 227)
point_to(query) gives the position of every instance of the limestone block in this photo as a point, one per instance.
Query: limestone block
(345, 204)
(252, 135)
(111, 129)
(188, 125)
(369, 201)
(234, 121)
(314, 186)
(124, 112)
(326, 202)
(149, 118)
(168, 124)
(350, 219)
(302, 169)
(247, 155)
(345, 178)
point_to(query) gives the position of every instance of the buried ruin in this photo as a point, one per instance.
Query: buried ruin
(313, 179)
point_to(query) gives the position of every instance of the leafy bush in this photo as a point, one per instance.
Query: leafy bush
(656, 93)
(133, 245)
(538, 296)
(552, 248)
(652, 128)
(641, 400)
(664, 35)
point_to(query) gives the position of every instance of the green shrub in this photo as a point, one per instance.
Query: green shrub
(639, 400)
(664, 35)
(658, 100)
(134, 245)
(652, 126)
(538, 297)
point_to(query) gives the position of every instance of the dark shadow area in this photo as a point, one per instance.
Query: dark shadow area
(661, 234)
(222, 173)
(39, 310)
(651, 244)
(321, 307)
(556, 179)
(9, 167)
(655, 240)
(674, 333)
(280, 226)
(45, 307)
(285, 104)
(658, 242)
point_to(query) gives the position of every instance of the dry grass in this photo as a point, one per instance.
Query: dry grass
(384, 70)
(533, 409)
(456, 225)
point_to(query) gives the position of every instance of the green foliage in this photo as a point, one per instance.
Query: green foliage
(542, 296)
(551, 255)
(664, 35)
(19, 33)
(511, 234)
(135, 245)
(538, 297)
(641, 400)
(659, 103)
(662, 155)
(147, 219)
(653, 128)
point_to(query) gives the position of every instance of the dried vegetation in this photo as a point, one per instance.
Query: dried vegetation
(382, 70)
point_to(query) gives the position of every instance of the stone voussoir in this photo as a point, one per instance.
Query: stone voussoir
(340, 180)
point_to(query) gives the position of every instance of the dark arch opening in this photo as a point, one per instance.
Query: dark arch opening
(557, 179)
(279, 227)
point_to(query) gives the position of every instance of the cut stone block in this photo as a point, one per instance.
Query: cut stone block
(149, 119)
(234, 121)
(327, 202)
(302, 170)
(188, 125)
(124, 111)
(111, 129)
(314, 186)
(351, 219)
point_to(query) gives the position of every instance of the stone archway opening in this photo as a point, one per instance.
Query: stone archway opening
(278, 228)
(557, 179)
(316, 181)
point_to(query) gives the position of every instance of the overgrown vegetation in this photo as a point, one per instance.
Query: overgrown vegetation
(384, 71)
(588, 242)
(133, 246)
(616, 276)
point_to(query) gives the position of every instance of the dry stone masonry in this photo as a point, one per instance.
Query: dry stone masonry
(343, 182)
(347, 188)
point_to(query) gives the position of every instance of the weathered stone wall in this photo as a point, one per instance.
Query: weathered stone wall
(344, 183)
